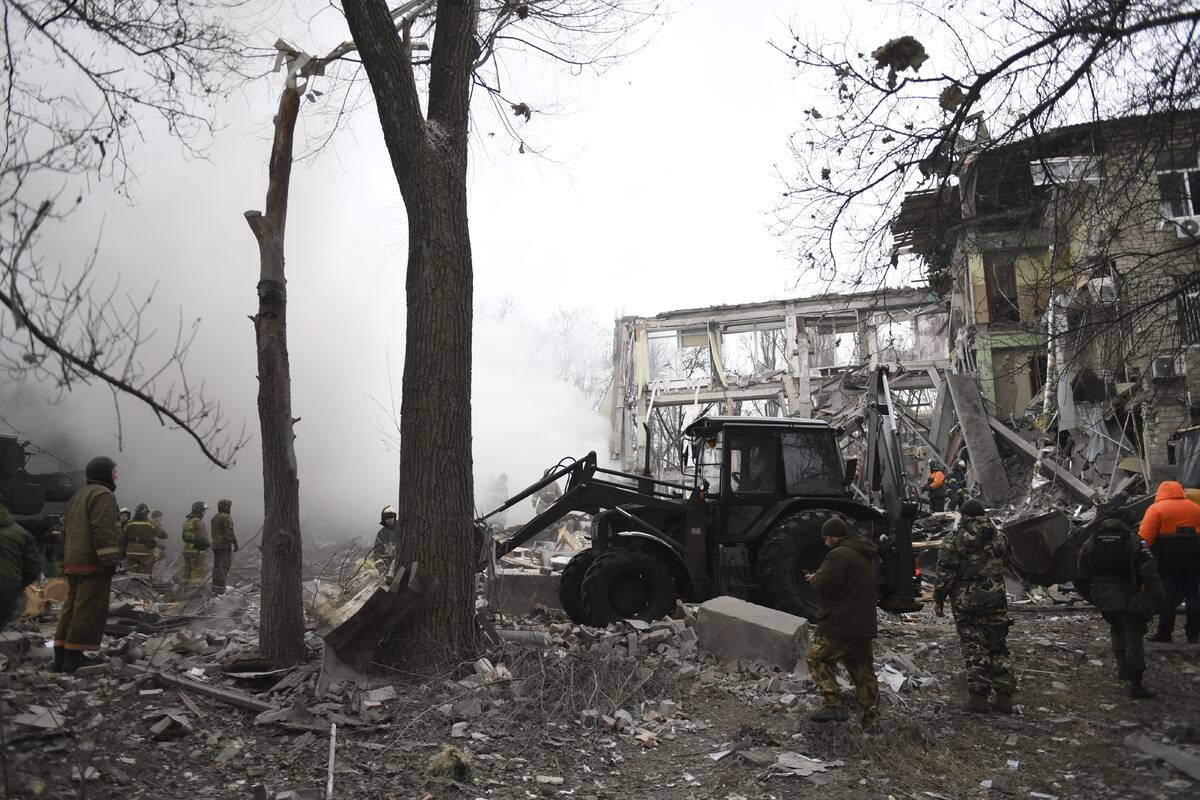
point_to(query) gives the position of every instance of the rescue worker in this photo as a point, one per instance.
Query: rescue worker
(385, 539)
(224, 545)
(125, 516)
(1117, 575)
(93, 552)
(141, 540)
(845, 585)
(195, 542)
(956, 486)
(547, 496)
(970, 573)
(20, 563)
(1171, 527)
(935, 486)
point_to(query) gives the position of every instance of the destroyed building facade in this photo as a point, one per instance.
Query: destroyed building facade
(1070, 263)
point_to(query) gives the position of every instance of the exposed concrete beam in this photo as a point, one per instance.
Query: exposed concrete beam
(974, 422)
(1077, 487)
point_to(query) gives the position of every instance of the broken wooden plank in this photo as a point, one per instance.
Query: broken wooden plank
(1181, 760)
(1077, 487)
(973, 421)
(228, 696)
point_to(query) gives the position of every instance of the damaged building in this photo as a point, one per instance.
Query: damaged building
(1071, 272)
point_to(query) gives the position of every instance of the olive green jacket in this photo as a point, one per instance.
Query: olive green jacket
(223, 536)
(20, 564)
(92, 531)
(847, 591)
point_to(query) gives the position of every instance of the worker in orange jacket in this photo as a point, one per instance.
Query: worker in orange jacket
(1171, 529)
(936, 487)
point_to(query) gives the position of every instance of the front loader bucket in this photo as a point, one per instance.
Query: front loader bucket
(1037, 548)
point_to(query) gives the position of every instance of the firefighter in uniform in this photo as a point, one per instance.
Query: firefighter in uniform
(1171, 527)
(195, 542)
(20, 563)
(956, 486)
(384, 549)
(1117, 575)
(846, 623)
(141, 540)
(93, 551)
(936, 487)
(224, 545)
(970, 570)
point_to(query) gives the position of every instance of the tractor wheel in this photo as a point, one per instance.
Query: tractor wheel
(570, 585)
(792, 549)
(627, 584)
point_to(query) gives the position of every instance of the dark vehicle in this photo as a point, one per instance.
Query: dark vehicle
(748, 523)
(30, 494)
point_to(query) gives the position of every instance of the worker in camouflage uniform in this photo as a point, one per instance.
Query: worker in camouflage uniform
(970, 572)
(1118, 575)
(93, 552)
(141, 541)
(195, 542)
(20, 563)
(224, 545)
(956, 486)
(846, 590)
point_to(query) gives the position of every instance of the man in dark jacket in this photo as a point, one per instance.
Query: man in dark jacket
(846, 623)
(224, 545)
(93, 552)
(970, 572)
(20, 564)
(1117, 575)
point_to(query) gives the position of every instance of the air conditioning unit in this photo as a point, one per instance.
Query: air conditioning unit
(1102, 290)
(1187, 227)
(1167, 367)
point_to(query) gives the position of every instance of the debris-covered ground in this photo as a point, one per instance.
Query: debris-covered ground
(558, 710)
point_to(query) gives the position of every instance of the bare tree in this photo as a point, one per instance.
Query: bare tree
(424, 108)
(79, 81)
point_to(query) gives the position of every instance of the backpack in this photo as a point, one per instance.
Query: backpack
(1110, 554)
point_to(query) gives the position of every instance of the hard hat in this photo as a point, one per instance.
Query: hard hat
(387, 511)
(126, 511)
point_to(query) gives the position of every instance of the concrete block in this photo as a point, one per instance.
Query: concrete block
(730, 628)
(519, 592)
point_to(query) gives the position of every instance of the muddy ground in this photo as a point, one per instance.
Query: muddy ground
(1067, 741)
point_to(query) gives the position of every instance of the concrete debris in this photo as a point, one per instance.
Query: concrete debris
(1182, 760)
(733, 629)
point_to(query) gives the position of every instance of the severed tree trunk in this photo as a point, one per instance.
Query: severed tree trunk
(281, 625)
(429, 158)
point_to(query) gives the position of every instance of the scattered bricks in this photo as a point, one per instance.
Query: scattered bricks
(458, 730)
(607, 724)
(668, 708)
(647, 738)
(519, 592)
(731, 628)
(171, 726)
(788, 700)
(653, 638)
(624, 721)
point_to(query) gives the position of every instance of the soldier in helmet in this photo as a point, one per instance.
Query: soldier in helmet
(1118, 575)
(971, 567)
(141, 540)
(195, 542)
(384, 549)
(93, 552)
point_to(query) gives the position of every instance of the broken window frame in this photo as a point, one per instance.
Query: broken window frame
(1182, 201)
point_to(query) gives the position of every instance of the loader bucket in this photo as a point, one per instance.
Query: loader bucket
(1037, 548)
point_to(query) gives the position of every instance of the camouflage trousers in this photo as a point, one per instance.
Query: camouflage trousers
(983, 637)
(1127, 632)
(856, 656)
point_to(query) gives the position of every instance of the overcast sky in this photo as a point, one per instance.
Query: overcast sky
(656, 193)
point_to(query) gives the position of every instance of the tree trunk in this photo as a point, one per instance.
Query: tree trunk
(429, 159)
(281, 625)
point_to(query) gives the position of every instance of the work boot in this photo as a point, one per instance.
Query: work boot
(72, 661)
(60, 655)
(1138, 690)
(977, 702)
(870, 721)
(1160, 637)
(830, 714)
(1002, 703)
